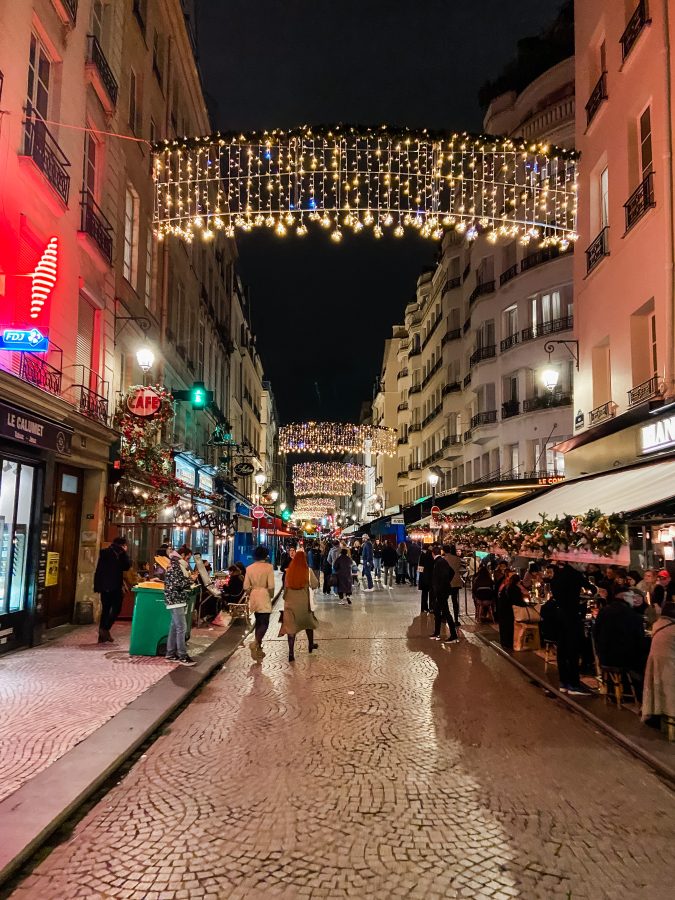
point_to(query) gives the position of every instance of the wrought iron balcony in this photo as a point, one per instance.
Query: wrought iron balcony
(95, 224)
(481, 354)
(645, 391)
(547, 401)
(597, 250)
(415, 351)
(508, 274)
(632, 31)
(510, 409)
(598, 94)
(486, 287)
(451, 388)
(432, 371)
(403, 373)
(489, 417)
(402, 406)
(96, 58)
(402, 441)
(451, 441)
(36, 371)
(532, 260)
(601, 413)
(451, 335)
(430, 333)
(553, 327)
(402, 474)
(467, 380)
(41, 146)
(432, 415)
(508, 342)
(415, 467)
(450, 285)
(415, 426)
(467, 269)
(640, 201)
(91, 404)
(414, 389)
(466, 325)
(467, 436)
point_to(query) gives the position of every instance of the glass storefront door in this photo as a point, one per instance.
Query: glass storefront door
(17, 486)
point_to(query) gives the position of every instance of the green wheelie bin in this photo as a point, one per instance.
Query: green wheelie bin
(151, 620)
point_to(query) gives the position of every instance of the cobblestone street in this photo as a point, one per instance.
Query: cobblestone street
(383, 765)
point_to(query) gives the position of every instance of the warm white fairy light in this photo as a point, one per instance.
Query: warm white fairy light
(336, 437)
(314, 507)
(335, 479)
(352, 178)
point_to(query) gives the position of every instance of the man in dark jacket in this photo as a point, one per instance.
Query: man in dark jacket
(367, 562)
(414, 553)
(389, 560)
(566, 586)
(113, 562)
(426, 564)
(441, 582)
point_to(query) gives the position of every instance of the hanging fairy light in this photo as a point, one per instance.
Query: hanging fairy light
(350, 179)
(336, 437)
(314, 507)
(336, 479)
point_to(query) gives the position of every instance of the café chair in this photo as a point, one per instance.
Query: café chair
(550, 653)
(613, 680)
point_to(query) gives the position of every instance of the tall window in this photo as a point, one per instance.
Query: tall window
(85, 337)
(604, 198)
(90, 164)
(39, 76)
(130, 268)
(97, 13)
(157, 55)
(550, 307)
(646, 155)
(133, 101)
(652, 344)
(510, 321)
(200, 346)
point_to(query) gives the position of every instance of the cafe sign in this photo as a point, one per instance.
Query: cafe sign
(27, 428)
(144, 402)
(659, 435)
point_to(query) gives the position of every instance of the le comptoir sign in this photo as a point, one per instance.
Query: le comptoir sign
(659, 435)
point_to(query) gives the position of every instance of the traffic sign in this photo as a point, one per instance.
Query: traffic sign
(258, 512)
(435, 512)
(30, 340)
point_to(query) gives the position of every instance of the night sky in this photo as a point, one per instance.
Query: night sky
(322, 311)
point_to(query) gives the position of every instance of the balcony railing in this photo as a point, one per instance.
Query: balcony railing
(432, 415)
(467, 269)
(41, 146)
(402, 406)
(597, 251)
(508, 342)
(415, 351)
(402, 373)
(96, 57)
(535, 259)
(95, 224)
(546, 401)
(402, 474)
(430, 333)
(598, 94)
(451, 441)
(635, 25)
(640, 201)
(415, 426)
(510, 409)
(451, 388)
(432, 458)
(415, 467)
(555, 325)
(451, 335)
(487, 287)
(402, 441)
(508, 274)
(482, 353)
(467, 436)
(92, 405)
(71, 8)
(645, 391)
(489, 417)
(40, 373)
(600, 413)
(467, 380)
(414, 389)
(450, 285)
(466, 325)
(432, 371)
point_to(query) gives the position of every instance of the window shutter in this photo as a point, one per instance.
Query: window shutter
(85, 334)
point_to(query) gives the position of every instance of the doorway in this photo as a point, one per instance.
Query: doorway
(64, 541)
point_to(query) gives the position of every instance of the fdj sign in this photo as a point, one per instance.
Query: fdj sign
(144, 402)
(658, 436)
(28, 340)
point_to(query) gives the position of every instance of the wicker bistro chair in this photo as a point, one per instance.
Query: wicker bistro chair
(240, 610)
(618, 682)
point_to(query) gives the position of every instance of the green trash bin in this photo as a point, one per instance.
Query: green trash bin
(151, 621)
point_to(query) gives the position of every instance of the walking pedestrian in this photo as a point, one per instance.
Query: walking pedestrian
(566, 586)
(327, 567)
(456, 563)
(259, 583)
(441, 579)
(367, 562)
(113, 562)
(377, 561)
(401, 563)
(426, 566)
(414, 553)
(343, 573)
(389, 560)
(314, 560)
(297, 615)
(286, 560)
(177, 585)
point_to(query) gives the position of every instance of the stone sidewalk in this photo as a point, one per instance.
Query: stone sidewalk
(57, 694)
(383, 765)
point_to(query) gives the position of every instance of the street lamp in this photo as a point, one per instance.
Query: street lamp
(259, 479)
(433, 478)
(283, 505)
(549, 378)
(274, 496)
(145, 358)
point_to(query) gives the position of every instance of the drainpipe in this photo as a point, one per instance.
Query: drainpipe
(670, 213)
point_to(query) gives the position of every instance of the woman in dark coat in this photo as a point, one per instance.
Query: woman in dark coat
(483, 592)
(426, 563)
(513, 594)
(343, 572)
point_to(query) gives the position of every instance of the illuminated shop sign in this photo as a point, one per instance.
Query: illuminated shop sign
(43, 278)
(30, 340)
(28, 313)
(658, 435)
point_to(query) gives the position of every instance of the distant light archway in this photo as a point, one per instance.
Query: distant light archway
(356, 178)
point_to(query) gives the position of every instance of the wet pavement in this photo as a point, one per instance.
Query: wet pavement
(383, 765)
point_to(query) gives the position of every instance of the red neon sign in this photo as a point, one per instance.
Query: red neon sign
(44, 278)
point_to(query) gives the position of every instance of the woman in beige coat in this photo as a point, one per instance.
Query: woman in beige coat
(297, 615)
(259, 584)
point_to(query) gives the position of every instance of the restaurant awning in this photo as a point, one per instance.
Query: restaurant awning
(475, 504)
(624, 491)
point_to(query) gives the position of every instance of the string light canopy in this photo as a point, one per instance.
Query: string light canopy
(336, 437)
(336, 479)
(352, 178)
(314, 508)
